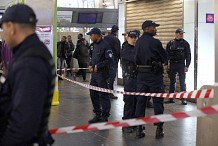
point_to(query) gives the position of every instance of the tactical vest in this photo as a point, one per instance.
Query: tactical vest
(43, 137)
(176, 52)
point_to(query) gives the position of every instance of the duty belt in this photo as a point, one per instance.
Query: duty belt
(144, 68)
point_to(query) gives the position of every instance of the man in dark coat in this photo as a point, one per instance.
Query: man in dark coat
(82, 57)
(26, 91)
(69, 54)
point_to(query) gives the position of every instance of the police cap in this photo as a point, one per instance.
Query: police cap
(114, 28)
(133, 33)
(94, 30)
(179, 30)
(138, 32)
(148, 23)
(19, 13)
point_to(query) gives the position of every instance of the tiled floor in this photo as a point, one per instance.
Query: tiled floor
(76, 109)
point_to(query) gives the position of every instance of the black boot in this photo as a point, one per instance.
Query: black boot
(159, 133)
(97, 118)
(139, 132)
(104, 117)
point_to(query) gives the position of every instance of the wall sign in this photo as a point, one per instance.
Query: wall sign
(45, 35)
(209, 18)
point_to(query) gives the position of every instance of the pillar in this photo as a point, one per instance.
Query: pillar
(207, 127)
(46, 12)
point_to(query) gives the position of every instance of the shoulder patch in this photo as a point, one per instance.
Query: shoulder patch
(110, 55)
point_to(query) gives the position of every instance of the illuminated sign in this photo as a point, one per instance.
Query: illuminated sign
(209, 18)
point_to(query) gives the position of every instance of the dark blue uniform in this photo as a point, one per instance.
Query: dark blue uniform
(102, 58)
(129, 79)
(114, 43)
(26, 95)
(149, 51)
(179, 56)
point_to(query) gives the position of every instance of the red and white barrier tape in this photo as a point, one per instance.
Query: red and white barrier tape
(71, 68)
(138, 121)
(202, 93)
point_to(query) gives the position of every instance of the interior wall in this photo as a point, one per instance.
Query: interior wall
(168, 13)
(189, 27)
(206, 35)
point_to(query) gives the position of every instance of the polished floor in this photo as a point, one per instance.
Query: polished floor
(75, 108)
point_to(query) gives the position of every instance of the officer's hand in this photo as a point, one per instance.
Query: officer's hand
(186, 69)
(90, 69)
(95, 69)
(166, 67)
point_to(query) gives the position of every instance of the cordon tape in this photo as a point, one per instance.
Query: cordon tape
(202, 93)
(71, 68)
(138, 121)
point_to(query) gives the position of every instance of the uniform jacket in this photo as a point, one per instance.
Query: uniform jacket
(149, 49)
(24, 93)
(127, 55)
(101, 55)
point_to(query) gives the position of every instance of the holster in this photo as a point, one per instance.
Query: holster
(157, 68)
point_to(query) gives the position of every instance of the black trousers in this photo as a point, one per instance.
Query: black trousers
(174, 69)
(129, 100)
(100, 100)
(82, 71)
(68, 61)
(142, 101)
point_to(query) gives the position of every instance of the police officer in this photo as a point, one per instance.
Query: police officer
(114, 43)
(179, 58)
(26, 93)
(99, 67)
(149, 58)
(129, 77)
